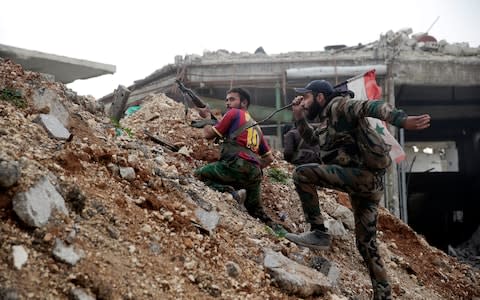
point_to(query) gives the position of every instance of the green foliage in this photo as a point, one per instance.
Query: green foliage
(277, 175)
(119, 127)
(14, 97)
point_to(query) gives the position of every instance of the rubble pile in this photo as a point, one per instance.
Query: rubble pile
(468, 251)
(91, 209)
(403, 41)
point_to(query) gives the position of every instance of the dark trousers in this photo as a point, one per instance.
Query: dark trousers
(233, 174)
(365, 189)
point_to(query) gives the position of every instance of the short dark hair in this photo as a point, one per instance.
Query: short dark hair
(244, 95)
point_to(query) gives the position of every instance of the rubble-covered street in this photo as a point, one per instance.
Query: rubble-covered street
(95, 210)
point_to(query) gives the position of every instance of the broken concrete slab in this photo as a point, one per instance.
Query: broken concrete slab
(293, 277)
(44, 97)
(53, 126)
(36, 205)
(65, 69)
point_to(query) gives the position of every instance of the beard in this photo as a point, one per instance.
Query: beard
(314, 110)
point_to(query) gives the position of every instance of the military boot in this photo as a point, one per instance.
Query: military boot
(315, 239)
(240, 196)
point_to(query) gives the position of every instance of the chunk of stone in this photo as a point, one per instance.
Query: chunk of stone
(53, 126)
(20, 256)
(9, 173)
(293, 277)
(36, 205)
(66, 254)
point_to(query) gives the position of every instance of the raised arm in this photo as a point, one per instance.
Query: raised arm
(355, 109)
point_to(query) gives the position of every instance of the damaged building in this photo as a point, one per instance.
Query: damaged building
(435, 189)
(55, 67)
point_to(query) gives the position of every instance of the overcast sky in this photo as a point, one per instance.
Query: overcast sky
(139, 37)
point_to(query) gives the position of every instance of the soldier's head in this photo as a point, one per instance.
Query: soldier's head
(237, 98)
(316, 94)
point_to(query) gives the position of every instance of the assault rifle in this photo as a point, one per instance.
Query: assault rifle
(195, 99)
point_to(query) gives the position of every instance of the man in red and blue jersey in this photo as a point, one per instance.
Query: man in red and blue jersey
(244, 154)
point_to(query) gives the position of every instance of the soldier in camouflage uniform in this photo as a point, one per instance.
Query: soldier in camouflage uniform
(244, 153)
(344, 168)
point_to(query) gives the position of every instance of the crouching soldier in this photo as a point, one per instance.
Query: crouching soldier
(244, 154)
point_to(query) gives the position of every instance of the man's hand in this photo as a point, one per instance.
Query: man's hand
(297, 108)
(266, 160)
(204, 112)
(208, 132)
(417, 122)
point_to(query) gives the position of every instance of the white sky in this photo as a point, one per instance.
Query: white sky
(142, 36)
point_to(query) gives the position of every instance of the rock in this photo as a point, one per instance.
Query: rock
(345, 215)
(327, 268)
(66, 254)
(20, 256)
(53, 126)
(127, 173)
(155, 248)
(80, 294)
(295, 278)
(232, 269)
(9, 294)
(45, 97)
(9, 173)
(336, 228)
(209, 220)
(36, 205)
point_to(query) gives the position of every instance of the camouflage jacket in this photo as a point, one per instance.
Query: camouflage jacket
(338, 122)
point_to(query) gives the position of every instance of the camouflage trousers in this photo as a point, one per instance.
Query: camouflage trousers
(234, 174)
(365, 189)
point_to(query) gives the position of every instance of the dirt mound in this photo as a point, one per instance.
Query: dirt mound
(138, 235)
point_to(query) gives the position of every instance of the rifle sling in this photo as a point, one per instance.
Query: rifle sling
(230, 147)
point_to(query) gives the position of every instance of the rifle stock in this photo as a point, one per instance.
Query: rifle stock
(195, 99)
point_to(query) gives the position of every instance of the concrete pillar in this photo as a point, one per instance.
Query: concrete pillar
(278, 105)
(391, 177)
(120, 97)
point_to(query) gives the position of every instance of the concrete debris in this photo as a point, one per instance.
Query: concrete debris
(335, 228)
(20, 256)
(345, 215)
(233, 269)
(66, 254)
(127, 173)
(294, 278)
(80, 294)
(53, 126)
(469, 251)
(209, 220)
(9, 173)
(49, 100)
(402, 38)
(36, 206)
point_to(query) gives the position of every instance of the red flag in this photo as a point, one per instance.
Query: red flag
(373, 90)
